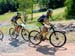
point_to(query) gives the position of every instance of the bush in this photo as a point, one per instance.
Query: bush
(70, 9)
(6, 5)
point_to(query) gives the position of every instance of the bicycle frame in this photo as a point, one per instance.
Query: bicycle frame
(19, 27)
(52, 27)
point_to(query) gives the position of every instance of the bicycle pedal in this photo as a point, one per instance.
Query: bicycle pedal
(43, 39)
(17, 35)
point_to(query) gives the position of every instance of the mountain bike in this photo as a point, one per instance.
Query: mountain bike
(24, 32)
(57, 38)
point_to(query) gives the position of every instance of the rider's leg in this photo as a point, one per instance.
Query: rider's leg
(17, 28)
(44, 32)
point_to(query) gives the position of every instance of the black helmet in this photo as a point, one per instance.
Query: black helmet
(49, 10)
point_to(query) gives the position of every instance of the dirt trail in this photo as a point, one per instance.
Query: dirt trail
(44, 49)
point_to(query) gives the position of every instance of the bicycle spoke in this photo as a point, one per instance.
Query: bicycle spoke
(57, 39)
(34, 37)
(25, 34)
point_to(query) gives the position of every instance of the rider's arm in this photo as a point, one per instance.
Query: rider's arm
(48, 26)
(21, 20)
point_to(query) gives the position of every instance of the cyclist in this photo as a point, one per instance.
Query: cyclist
(44, 20)
(14, 22)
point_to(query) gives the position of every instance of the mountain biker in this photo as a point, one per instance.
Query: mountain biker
(48, 14)
(44, 20)
(14, 22)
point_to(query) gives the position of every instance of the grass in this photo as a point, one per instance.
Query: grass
(56, 13)
(6, 16)
(5, 29)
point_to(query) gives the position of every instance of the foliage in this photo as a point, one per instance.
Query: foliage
(8, 5)
(25, 4)
(70, 8)
(51, 3)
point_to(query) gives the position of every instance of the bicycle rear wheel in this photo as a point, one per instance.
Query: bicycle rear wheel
(12, 33)
(25, 34)
(35, 37)
(57, 39)
(1, 35)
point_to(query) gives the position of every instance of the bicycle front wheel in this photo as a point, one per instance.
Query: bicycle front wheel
(35, 37)
(1, 35)
(25, 34)
(57, 39)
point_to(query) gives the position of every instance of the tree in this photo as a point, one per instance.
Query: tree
(26, 6)
(6, 5)
(43, 3)
(3, 6)
(51, 3)
(70, 8)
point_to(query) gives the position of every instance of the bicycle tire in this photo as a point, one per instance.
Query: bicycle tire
(34, 36)
(50, 38)
(25, 32)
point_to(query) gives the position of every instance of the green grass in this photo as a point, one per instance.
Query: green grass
(57, 13)
(6, 16)
(3, 18)
(5, 29)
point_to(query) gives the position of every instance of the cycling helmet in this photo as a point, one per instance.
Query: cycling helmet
(49, 10)
(18, 13)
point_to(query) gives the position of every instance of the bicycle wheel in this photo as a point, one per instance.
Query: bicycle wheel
(57, 39)
(25, 34)
(1, 35)
(35, 37)
(12, 33)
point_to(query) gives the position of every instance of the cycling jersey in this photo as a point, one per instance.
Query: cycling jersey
(41, 19)
(15, 18)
